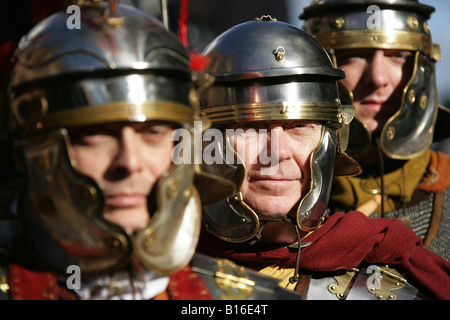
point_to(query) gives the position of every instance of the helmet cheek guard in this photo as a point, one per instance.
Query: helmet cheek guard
(179, 205)
(230, 219)
(52, 223)
(402, 138)
(311, 210)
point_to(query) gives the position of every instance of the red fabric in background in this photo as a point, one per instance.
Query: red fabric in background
(29, 284)
(6, 54)
(345, 241)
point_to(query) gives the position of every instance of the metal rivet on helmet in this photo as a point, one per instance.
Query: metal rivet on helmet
(279, 53)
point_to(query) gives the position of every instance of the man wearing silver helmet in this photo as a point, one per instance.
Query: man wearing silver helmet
(275, 100)
(386, 51)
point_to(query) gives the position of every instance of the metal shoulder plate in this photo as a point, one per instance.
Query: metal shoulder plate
(371, 283)
(229, 281)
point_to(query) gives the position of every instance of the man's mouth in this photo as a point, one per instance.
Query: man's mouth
(125, 200)
(373, 104)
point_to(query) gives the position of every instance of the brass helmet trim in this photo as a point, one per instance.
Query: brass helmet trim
(377, 38)
(130, 97)
(119, 111)
(274, 111)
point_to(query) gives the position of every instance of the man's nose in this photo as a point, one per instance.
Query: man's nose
(376, 71)
(279, 144)
(128, 156)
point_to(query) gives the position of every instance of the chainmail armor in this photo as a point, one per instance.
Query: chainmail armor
(441, 244)
(420, 216)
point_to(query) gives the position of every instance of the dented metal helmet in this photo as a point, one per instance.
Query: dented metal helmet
(270, 70)
(119, 65)
(385, 24)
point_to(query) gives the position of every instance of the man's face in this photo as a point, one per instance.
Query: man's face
(125, 159)
(377, 78)
(278, 191)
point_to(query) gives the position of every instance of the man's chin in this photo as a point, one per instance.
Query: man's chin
(130, 220)
(270, 211)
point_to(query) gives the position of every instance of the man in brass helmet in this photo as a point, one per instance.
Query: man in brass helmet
(105, 214)
(386, 51)
(275, 103)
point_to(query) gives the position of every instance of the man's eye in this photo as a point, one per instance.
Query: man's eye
(89, 138)
(92, 133)
(159, 129)
(352, 56)
(400, 57)
(153, 131)
(157, 132)
(250, 125)
(296, 124)
(349, 57)
(95, 136)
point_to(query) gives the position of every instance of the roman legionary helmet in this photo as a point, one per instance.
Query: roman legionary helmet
(270, 70)
(385, 24)
(118, 64)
